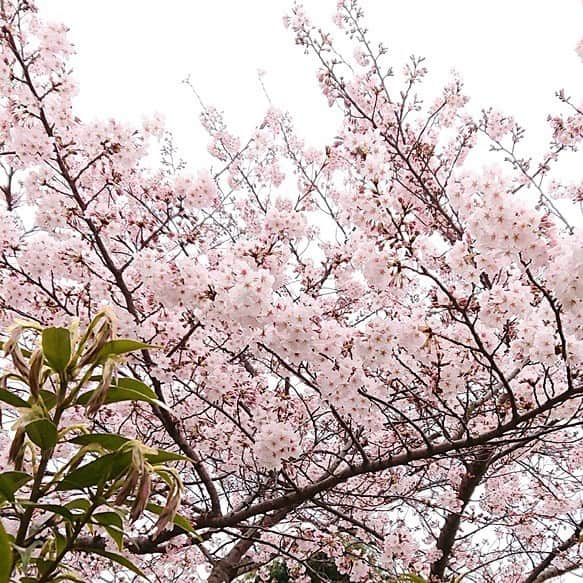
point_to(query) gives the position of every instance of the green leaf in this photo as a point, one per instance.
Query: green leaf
(116, 394)
(121, 346)
(136, 385)
(108, 519)
(119, 559)
(179, 520)
(60, 541)
(162, 456)
(26, 553)
(42, 432)
(5, 555)
(100, 470)
(113, 524)
(109, 441)
(117, 536)
(44, 566)
(411, 578)
(79, 504)
(49, 399)
(69, 576)
(54, 508)
(113, 442)
(12, 399)
(56, 344)
(10, 482)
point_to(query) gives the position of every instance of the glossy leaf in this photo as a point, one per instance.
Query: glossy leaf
(120, 560)
(116, 394)
(60, 540)
(100, 470)
(109, 518)
(26, 554)
(113, 524)
(12, 399)
(43, 433)
(10, 482)
(162, 456)
(79, 504)
(54, 508)
(56, 345)
(122, 346)
(49, 399)
(116, 535)
(136, 385)
(5, 555)
(109, 441)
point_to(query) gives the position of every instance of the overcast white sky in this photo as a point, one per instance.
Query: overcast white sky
(132, 55)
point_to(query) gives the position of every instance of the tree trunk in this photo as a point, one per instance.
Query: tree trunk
(222, 573)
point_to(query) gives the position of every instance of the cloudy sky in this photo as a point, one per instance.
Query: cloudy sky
(133, 54)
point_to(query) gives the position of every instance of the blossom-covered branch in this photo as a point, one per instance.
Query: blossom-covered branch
(371, 352)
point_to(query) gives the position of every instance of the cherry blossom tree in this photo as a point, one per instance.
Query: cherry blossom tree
(371, 353)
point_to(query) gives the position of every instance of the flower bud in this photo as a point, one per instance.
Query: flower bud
(100, 393)
(16, 452)
(128, 487)
(34, 373)
(10, 344)
(102, 336)
(142, 496)
(172, 504)
(19, 362)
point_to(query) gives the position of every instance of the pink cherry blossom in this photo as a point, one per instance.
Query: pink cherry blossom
(369, 353)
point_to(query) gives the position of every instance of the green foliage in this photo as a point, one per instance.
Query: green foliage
(105, 482)
(120, 560)
(320, 568)
(323, 569)
(279, 572)
(5, 556)
(122, 346)
(56, 347)
(117, 394)
(10, 482)
(410, 578)
(12, 399)
(43, 433)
